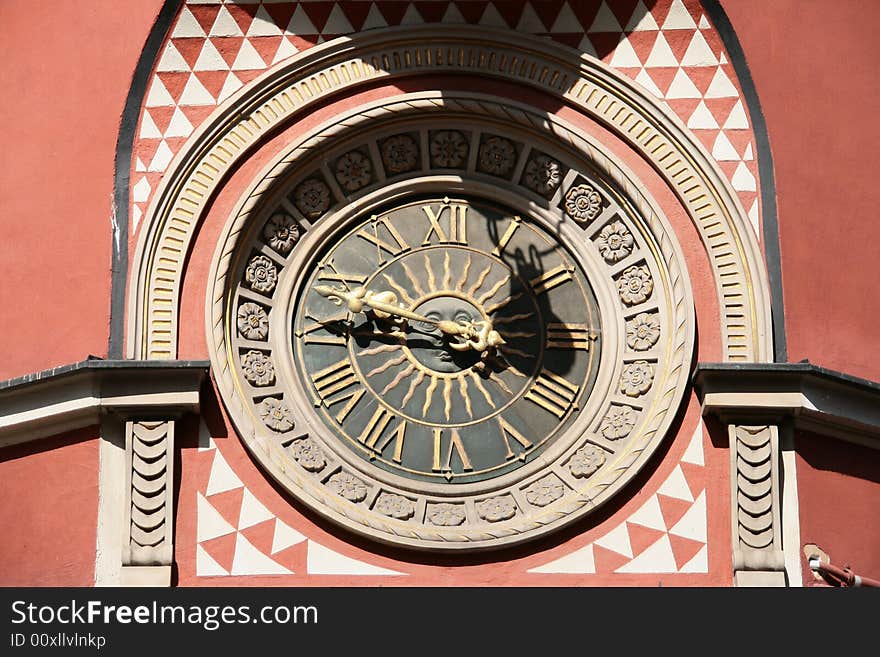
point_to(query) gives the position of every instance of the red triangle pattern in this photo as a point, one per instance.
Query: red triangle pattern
(393, 11)
(161, 117)
(642, 43)
(294, 558)
(694, 475)
(228, 48)
(678, 41)
(247, 76)
(282, 13)
(740, 139)
(684, 549)
(221, 549)
(261, 535)
(189, 48)
(641, 537)
(228, 504)
(720, 108)
(729, 168)
(622, 10)
(572, 40)
(604, 44)
(510, 10)
(663, 77)
(586, 12)
(205, 15)
(318, 13)
(355, 12)
(212, 81)
(266, 47)
(146, 151)
(304, 41)
(659, 10)
(243, 15)
(432, 11)
(607, 561)
(713, 40)
(196, 114)
(672, 508)
(472, 12)
(702, 76)
(174, 82)
(706, 136)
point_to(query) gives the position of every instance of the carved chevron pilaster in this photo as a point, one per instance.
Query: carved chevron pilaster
(755, 503)
(149, 450)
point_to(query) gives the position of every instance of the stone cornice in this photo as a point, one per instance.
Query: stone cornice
(817, 399)
(74, 396)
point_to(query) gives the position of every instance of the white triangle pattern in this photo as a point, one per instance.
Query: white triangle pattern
(676, 486)
(252, 511)
(579, 562)
(698, 54)
(617, 540)
(694, 451)
(324, 561)
(206, 566)
(285, 536)
(692, 524)
(209, 523)
(649, 515)
(641, 20)
(656, 559)
(187, 26)
(337, 23)
(222, 478)
(248, 560)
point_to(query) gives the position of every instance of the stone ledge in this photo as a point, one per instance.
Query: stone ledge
(74, 396)
(820, 400)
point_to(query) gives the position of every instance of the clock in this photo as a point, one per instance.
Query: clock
(446, 340)
(448, 333)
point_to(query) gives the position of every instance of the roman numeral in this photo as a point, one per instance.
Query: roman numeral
(508, 234)
(550, 279)
(399, 245)
(353, 397)
(334, 378)
(564, 335)
(330, 273)
(457, 233)
(456, 446)
(552, 393)
(507, 431)
(376, 430)
(308, 333)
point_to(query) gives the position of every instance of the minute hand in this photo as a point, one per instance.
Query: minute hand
(383, 302)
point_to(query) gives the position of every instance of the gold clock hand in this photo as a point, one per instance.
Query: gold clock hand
(384, 303)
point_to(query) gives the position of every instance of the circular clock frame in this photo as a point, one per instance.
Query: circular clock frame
(617, 427)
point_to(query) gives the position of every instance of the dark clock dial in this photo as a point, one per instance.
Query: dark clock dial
(447, 340)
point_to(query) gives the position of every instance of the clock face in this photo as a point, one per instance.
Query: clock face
(446, 340)
(443, 338)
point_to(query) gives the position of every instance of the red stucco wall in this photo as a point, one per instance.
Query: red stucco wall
(839, 494)
(814, 66)
(49, 511)
(61, 109)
